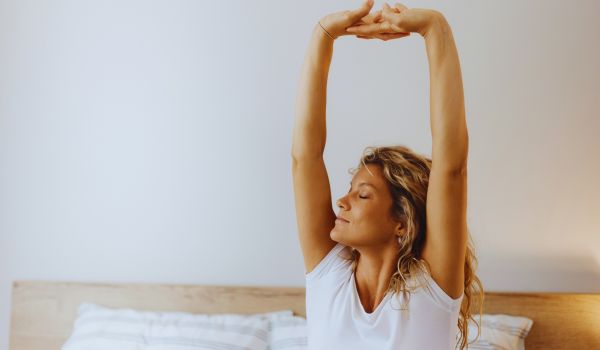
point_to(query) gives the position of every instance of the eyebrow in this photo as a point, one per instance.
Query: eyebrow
(363, 184)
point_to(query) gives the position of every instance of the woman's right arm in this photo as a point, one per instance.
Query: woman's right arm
(309, 128)
(314, 213)
(309, 134)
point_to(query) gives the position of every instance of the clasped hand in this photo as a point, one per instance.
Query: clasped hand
(385, 24)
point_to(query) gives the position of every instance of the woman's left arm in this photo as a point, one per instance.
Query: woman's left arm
(447, 106)
(446, 227)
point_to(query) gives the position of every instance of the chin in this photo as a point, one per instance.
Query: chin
(335, 236)
(339, 237)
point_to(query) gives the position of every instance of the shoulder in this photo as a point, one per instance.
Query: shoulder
(338, 258)
(434, 291)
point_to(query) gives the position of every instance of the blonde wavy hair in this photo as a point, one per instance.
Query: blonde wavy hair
(407, 175)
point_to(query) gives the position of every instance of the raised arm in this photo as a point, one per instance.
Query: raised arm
(309, 134)
(446, 208)
(314, 213)
(447, 105)
(309, 129)
(448, 126)
(446, 228)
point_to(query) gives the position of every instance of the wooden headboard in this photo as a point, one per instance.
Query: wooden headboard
(43, 312)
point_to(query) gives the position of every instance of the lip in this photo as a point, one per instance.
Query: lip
(341, 219)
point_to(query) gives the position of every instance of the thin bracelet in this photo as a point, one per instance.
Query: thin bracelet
(326, 31)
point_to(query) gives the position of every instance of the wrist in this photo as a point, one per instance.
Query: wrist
(323, 33)
(437, 24)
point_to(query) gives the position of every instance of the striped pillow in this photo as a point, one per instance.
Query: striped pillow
(287, 332)
(499, 332)
(101, 328)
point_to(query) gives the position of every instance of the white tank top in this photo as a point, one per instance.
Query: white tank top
(337, 320)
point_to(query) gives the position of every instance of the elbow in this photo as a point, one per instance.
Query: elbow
(460, 171)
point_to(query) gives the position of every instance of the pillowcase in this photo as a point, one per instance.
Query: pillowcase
(499, 332)
(288, 332)
(100, 328)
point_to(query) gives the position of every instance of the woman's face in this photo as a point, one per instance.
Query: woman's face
(367, 208)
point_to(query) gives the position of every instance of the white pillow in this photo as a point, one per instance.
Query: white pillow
(287, 332)
(499, 332)
(102, 328)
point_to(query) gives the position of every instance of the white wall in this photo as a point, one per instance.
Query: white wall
(147, 141)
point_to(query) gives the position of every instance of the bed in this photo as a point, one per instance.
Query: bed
(43, 312)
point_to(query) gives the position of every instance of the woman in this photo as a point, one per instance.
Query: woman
(397, 269)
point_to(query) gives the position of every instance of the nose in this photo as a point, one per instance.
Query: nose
(341, 204)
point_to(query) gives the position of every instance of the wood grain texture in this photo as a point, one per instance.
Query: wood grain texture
(561, 321)
(43, 312)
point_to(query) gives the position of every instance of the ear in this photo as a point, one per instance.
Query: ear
(400, 230)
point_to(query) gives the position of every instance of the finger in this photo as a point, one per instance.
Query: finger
(377, 17)
(362, 21)
(369, 29)
(370, 18)
(388, 36)
(387, 12)
(361, 12)
(364, 37)
(400, 6)
(390, 16)
(387, 8)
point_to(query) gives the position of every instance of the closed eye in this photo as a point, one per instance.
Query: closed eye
(359, 196)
